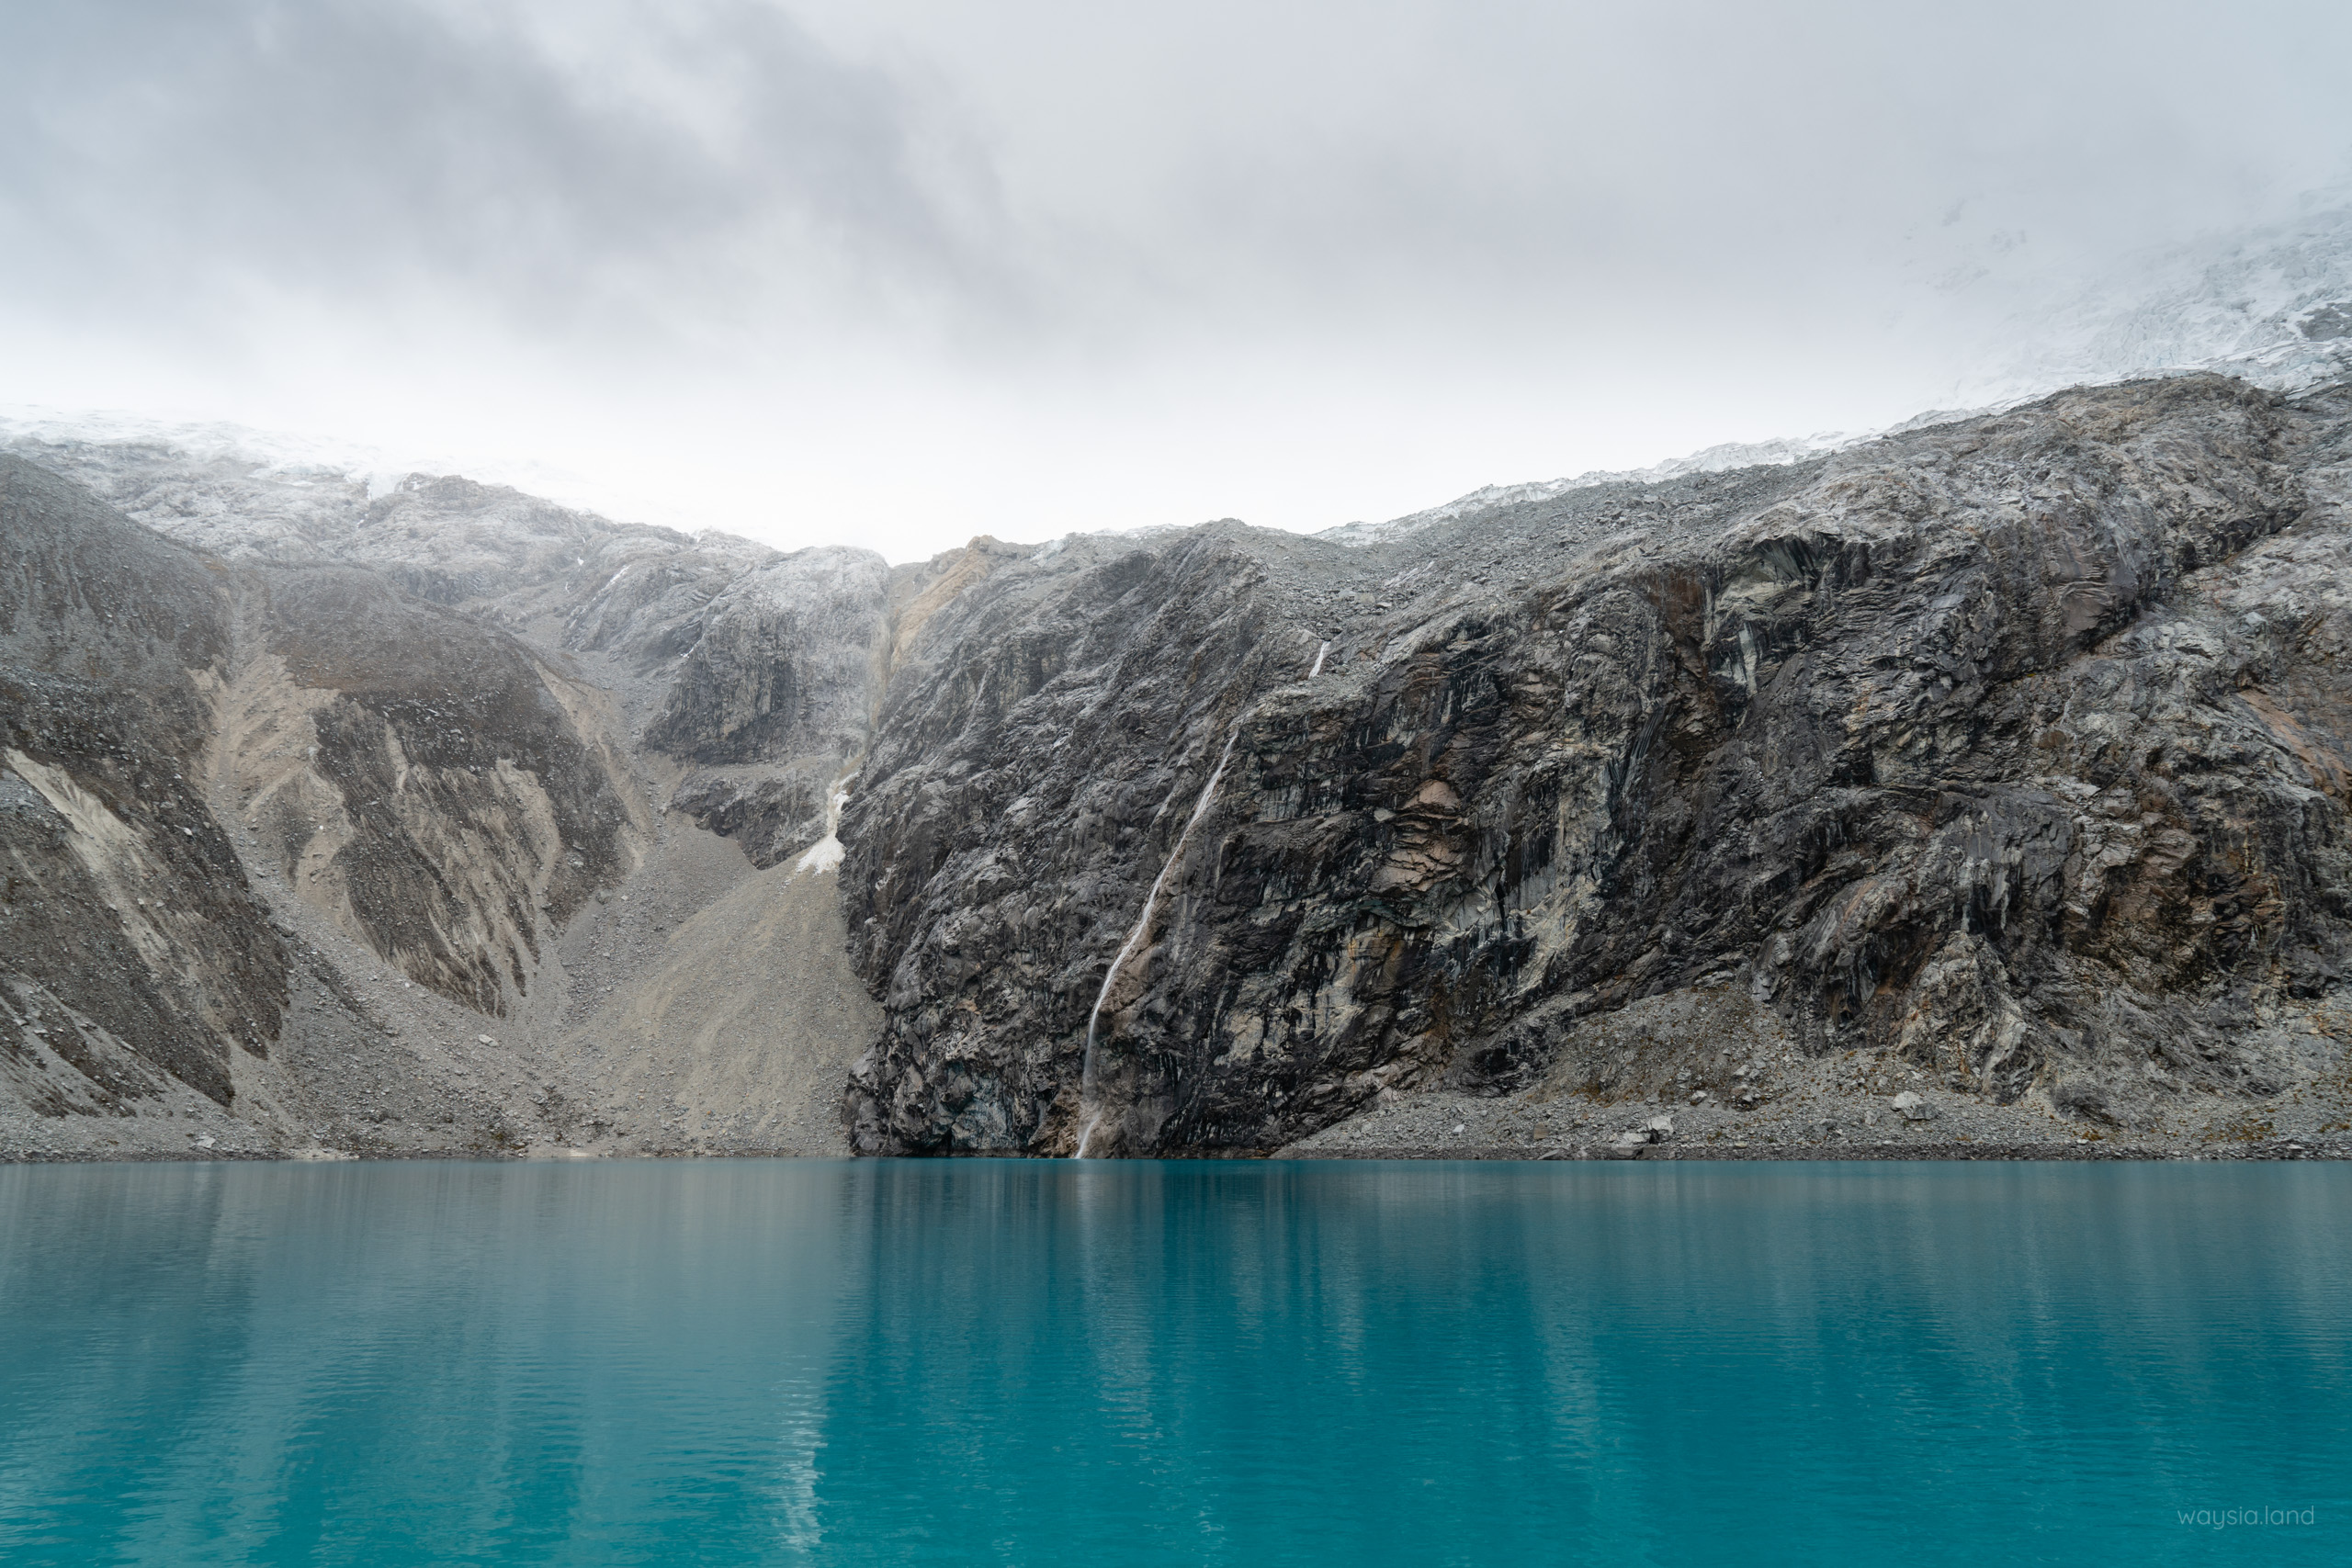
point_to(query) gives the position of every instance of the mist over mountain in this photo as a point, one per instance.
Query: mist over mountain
(2001, 756)
(805, 271)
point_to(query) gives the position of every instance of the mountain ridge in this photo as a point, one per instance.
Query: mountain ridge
(1222, 839)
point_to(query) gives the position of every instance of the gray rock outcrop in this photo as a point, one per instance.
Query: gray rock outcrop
(134, 957)
(2014, 747)
(2008, 757)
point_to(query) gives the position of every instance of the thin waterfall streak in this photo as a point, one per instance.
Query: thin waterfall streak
(826, 853)
(1142, 923)
(1319, 660)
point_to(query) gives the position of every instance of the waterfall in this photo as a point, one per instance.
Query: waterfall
(1135, 940)
(1318, 660)
(825, 855)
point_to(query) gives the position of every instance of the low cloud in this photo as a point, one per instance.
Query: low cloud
(186, 157)
(925, 267)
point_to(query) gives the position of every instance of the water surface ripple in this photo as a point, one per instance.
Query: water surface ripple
(1128, 1363)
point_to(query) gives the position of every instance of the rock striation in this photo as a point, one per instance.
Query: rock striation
(2000, 764)
(2014, 748)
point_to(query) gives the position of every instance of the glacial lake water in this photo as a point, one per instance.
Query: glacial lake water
(1247, 1363)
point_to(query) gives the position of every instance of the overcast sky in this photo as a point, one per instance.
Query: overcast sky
(896, 272)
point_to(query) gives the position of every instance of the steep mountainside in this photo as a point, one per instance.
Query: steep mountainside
(2270, 305)
(2015, 749)
(136, 959)
(2004, 761)
(374, 772)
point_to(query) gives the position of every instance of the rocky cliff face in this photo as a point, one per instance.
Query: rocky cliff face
(2015, 748)
(2007, 759)
(421, 777)
(135, 960)
(445, 748)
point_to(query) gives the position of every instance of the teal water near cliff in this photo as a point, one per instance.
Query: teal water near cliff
(1033, 1363)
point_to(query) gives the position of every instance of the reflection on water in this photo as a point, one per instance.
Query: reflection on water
(889, 1362)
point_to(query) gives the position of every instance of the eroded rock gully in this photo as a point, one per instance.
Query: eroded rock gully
(2002, 763)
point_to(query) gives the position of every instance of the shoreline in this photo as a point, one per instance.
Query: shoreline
(1925, 1152)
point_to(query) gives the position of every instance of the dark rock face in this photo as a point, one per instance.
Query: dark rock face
(778, 692)
(784, 672)
(1032, 772)
(2017, 746)
(131, 950)
(788, 662)
(775, 813)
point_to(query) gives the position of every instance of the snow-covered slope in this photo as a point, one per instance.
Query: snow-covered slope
(2270, 305)
(1714, 460)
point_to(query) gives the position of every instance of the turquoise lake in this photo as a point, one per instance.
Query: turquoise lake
(1247, 1363)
